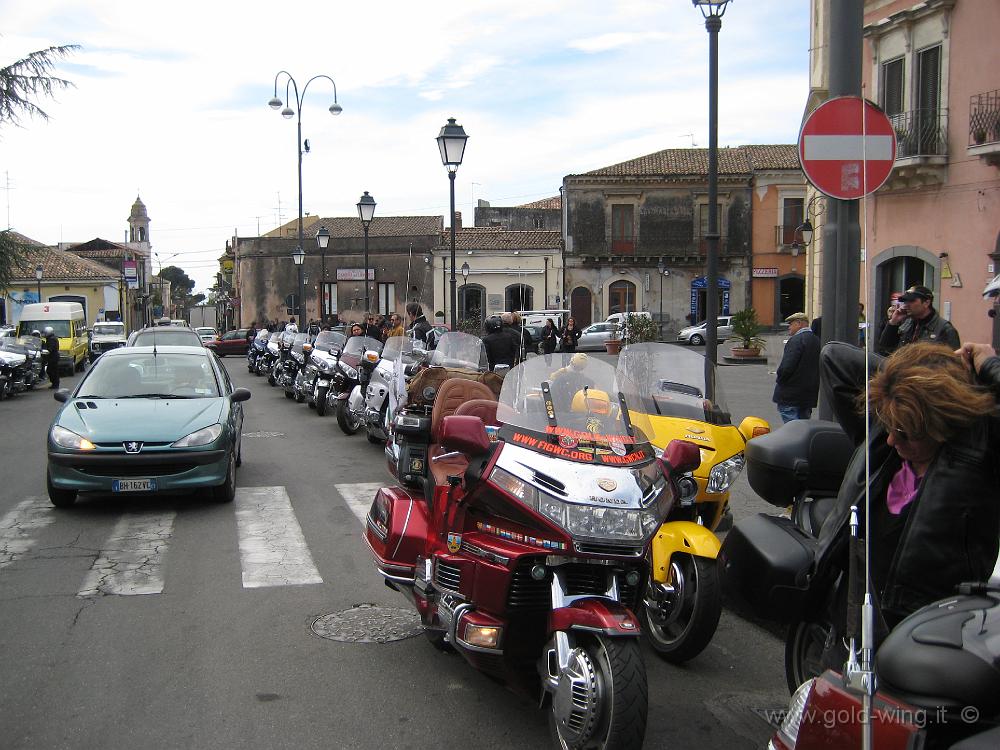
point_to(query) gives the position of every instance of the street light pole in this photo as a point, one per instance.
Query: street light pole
(366, 212)
(287, 112)
(465, 297)
(712, 10)
(39, 272)
(323, 240)
(451, 143)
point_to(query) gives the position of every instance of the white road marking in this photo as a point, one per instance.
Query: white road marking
(359, 497)
(848, 147)
(17, 527)
(131, 562)
(273, 551)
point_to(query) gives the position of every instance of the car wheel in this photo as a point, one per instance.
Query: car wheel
(696, 340)
(59, 497)
(239, 454)
(226, 492)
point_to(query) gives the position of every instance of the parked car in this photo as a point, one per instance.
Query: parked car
(592, 337)
(231, 342)
(179, 323)
(619, 317)
(207, 333)
(695, 335)
(164, 336)
(105, 336)
(143, 422)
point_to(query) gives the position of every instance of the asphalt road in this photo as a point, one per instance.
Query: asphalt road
(211, 663)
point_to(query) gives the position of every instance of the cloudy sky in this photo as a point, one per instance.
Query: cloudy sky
(170, 102)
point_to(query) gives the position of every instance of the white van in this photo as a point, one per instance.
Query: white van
(538, 317)
(619, 318)
(66, 319)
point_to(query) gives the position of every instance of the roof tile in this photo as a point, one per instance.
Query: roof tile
(60, 265)
(738, 160)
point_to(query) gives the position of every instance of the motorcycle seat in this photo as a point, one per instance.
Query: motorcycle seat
(485, 409)
(453, 395)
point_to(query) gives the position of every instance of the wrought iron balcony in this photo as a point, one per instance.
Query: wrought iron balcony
(921, 132)
(984, 118)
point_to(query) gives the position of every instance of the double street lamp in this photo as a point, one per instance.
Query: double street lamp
(291, 87)
(712, 10)
(451, 143)
(366, 212)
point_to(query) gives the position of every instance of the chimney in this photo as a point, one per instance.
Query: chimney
(458, 220)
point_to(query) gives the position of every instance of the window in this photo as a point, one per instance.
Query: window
(622, 229)
(703, 219)
(537, 223)
(621, 297)
(792, 214)
(892, 86)
(386, 298)
(329, 299)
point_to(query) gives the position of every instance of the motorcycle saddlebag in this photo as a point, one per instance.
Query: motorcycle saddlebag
(805, 454)
(764, 565)
(396, 529)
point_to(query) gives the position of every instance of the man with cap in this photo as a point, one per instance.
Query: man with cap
(796, 386)
(915, 319)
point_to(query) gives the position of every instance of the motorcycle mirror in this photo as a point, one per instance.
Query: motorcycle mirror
(501, 369)
(61, 395)
(680, 457)
(372, 356)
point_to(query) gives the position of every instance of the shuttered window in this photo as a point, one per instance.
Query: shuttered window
(892, 86)
(929, 81)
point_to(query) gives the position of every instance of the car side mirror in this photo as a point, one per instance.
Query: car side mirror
(680, 457)
(464, 433)
(240, 394)
(61, 395)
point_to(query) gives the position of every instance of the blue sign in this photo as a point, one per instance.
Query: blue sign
(699, 284)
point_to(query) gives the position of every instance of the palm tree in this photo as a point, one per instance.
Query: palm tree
(22, 81)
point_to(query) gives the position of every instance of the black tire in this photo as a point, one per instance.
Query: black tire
(226, 492)
(684, 631)
(270, 379)
(289, 394)
(321, 400)
(382, 419)
(348, 423)
(239, 453)
(621, 722)
(59, 497)
(696, 340)
(299, 395)
(805, 645)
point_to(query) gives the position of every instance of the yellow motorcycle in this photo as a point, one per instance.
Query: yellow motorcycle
(683, 598)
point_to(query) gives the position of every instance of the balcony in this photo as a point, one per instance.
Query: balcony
(690, 251)
(921, 148)
(984, 127)
(787, 235)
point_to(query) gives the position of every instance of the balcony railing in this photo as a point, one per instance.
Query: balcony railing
(921, 132)
(984, 118)
(623, 247)
(787, 234)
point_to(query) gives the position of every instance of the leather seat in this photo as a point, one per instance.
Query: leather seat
(485, 409)
(454, 394)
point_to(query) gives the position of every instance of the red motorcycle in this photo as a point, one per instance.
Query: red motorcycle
(528, 557)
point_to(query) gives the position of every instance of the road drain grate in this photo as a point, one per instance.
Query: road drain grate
(264, 434)
(368, 623)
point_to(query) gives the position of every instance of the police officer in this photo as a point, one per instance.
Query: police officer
(52, 344)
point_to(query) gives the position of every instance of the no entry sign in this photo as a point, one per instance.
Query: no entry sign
(843, 156)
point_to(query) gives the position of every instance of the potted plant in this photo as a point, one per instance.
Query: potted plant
(613, 345)
(979, 136)
(746, 333)
(439, 317)
(639, 328)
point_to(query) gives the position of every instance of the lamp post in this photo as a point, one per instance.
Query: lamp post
(288, 113)
(323, 241)
(712, 10)
(298, 257)
(465, 280)
(451, 143)
(661, 268)
(366, 212)
(39, 272)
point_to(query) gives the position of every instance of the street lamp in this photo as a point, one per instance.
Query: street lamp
(712, 10)
(661, 268)
(323, 241)
(39, 271)
(298, 258)
(465, 280)
(451, 143)
(288, 113)
(366, 212)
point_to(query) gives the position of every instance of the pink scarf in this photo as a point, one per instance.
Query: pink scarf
(902, 489)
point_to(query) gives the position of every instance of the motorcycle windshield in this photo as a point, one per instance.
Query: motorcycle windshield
(572, 406)
(263, 335)
(669, 381)
(298, 340)
(398, 348)
(329, 341)
(358, 345)
(32, 343)
(461, 351)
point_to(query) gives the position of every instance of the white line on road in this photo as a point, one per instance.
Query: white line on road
(359, 497)
(272, 549)
(131, 561)
(16, 527)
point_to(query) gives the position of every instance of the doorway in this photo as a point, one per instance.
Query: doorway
(581, 306)
(518, 297)
(791, 296)
(621, 297)
(471, 304)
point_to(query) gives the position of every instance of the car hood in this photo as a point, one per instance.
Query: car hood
(147, 420)
(692, 329)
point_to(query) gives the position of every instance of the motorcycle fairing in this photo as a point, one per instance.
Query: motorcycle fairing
(395, 530)
(604, 615)
(681, 537)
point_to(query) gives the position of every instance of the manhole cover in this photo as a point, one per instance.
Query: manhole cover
(263, 434)
(367, 623)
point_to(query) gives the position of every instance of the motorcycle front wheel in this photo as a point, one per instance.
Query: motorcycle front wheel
(299, 395)
(602, 700)
(383, 421)
(348, 422)
(680, 624)
(321, 400)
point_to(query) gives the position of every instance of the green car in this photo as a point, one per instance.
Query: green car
(147, 420)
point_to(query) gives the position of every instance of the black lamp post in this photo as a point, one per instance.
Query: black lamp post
(465, 280)
(366, 211)
(288, 113)
(298, 257)
(451, 142)
(661, 268)
(39, 272)
(712, 10)
(323, 241)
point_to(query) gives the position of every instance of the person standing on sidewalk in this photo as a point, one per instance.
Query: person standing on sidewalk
(915, 319)
(796, 387)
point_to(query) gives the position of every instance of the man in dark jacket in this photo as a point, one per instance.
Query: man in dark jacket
(500, 348)
(52, 345)
(796, 386)
(418, 325)
(915, 319)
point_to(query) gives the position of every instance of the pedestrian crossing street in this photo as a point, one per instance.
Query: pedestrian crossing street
(134, 558)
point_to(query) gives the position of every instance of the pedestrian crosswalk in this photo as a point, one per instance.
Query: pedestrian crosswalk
(134, 559)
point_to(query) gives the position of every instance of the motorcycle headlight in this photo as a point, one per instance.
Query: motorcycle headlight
(68, 439)
(349, 371)
(324, 366)
(203, 436)
(724, 474)
(796, 708)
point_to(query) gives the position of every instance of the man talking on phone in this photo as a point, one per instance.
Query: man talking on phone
(915, 319)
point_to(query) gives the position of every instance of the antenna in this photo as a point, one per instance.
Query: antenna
(691, 136)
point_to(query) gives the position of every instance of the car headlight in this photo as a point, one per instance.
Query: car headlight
(796, 709)
(68, 439)
(724, 474)
(203, 436)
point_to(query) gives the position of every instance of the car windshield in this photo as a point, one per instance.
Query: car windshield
(104, 329)
(460, 350)
(160, 375)
(571, 406)
(361, 344)
(61, 327)
(206, 331)
(329, 340)
(673, 383)
(164, 336)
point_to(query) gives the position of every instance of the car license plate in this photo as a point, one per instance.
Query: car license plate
(134, 485)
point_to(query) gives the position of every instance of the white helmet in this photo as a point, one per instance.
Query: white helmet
(993, 288)
(48, 330)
